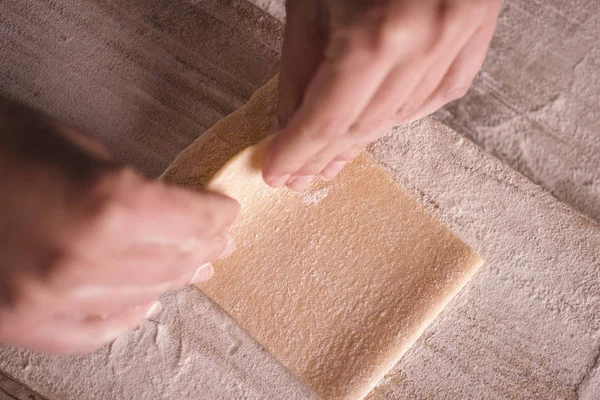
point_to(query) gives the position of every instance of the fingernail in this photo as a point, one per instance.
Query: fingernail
(333, 169)
(229, 246)
(203, 273)
(154, 310)
(300, 183)
(279, 181)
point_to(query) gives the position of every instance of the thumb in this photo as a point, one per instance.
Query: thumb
(304, 44)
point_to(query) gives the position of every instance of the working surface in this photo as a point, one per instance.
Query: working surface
(529, 324)
(145, 77)
(535, 102)
(337, 282)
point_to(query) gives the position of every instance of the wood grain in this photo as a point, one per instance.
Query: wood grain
(147, 77)
(11, 389)
(535, 103)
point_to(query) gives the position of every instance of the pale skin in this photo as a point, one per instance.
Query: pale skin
(89, 245)
(352, 69)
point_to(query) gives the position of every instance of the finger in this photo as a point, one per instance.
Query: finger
(314, 126)
(395, 91)
(303, 47)
(345, 146)
(137, 269)
(139, 211)
(304, 42)
(416, 26)
(358, 58)
(133, 279)
(333, 169)
(351, 154)
(336, 166)
(461, 73)
(300, 183)
(171, 263)
(103, 300)
(460, 23)
(343, 85)
(318, 162)
(205, 213)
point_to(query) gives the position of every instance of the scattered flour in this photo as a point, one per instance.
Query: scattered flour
(314, 197)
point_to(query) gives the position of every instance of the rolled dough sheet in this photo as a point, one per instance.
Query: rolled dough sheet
(336, 282)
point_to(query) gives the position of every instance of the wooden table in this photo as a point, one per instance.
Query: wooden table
(149, 76)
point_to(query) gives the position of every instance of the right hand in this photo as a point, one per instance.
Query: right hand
(352, 69)
(87, 246)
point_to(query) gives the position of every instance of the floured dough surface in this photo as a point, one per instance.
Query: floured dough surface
(336, 282)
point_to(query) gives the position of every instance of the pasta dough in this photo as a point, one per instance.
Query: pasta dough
(336, 282)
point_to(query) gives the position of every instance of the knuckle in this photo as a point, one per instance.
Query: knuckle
(415, 39)
(407, 28)
(422, 33)
(390, 28)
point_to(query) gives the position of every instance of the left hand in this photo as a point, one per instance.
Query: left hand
(352, 69)
(87, 244)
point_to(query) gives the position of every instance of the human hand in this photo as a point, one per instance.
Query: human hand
(351, 69)
(88, 245)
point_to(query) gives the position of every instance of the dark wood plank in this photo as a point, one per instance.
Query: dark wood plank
(11, 389)
(145, 77)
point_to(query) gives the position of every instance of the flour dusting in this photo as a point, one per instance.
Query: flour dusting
(314, 197)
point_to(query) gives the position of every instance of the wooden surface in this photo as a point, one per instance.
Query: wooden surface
(11, 389)
(535, 102)
(147, 77)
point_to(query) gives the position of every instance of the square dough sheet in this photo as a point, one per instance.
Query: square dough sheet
(336, 282)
